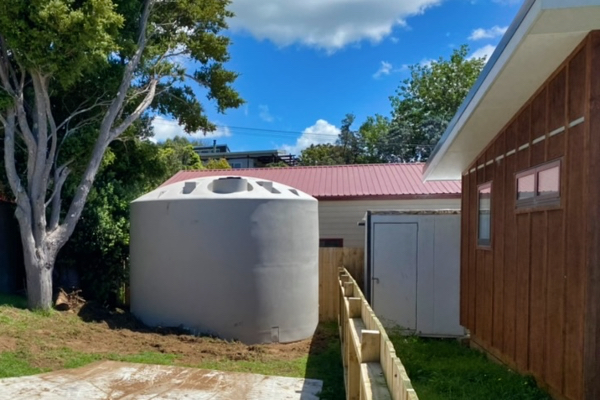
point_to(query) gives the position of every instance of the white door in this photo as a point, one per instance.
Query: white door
(394, 274)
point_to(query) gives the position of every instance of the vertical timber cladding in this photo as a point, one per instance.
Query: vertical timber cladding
(592, 331)
(524, 297)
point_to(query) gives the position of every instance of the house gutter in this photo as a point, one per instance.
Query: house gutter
(508, 36)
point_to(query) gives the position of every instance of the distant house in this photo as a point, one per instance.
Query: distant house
(347, 192)
(244, 159)
(526, 143)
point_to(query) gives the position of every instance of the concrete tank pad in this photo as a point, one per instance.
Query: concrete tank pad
(127, 381)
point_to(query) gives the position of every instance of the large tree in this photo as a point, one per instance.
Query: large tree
(425, 103)
(93, 68)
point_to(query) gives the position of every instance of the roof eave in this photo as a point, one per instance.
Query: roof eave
(509, 46)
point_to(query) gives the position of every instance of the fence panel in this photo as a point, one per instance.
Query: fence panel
(331, 259)
(372, 371)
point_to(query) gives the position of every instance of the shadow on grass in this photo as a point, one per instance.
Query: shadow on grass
(13, 300)
(325, 362)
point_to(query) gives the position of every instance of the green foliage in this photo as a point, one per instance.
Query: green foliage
(217, 164)
(349, 141)
(374, 137)
(61, 38)
(366, 145)
(322, 154)
(178, 154)
(278, 164)
(425, 103)
(445, 369)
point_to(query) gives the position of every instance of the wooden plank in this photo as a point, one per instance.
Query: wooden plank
(352, 348)
(464, 252)
(353, 261)
(472, 267)
(577, 86)
(592, 323)
(374, 386)
(575, 260)
(537, 312)
(348, 289)
(370, 346)
(498, 207)
(522, 292)
(557, 88)
(555, 298)
(510, 256)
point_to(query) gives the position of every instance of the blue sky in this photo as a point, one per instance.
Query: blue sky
(304, 64)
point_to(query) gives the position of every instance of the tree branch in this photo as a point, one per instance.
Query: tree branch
(60, 176)
(131, 118)
(118, 101)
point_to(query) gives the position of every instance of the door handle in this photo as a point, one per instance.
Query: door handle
(376, 280)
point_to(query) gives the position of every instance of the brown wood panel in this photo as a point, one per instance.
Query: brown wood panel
(480, 319)
(498, 247)
(555, 312)
(538, 127)
(523, 126)
(487, 295)
(575, 260)
(537, 311)
(557, 101)
(538, 114)
(592, 323)
(472, 293)
(464, 251)
(510, 261)
(577, 101)
(522, 291)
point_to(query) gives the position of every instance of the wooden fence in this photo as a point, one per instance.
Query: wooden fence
(331, 259)
(372, 371)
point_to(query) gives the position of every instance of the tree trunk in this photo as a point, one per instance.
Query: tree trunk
(39, 282)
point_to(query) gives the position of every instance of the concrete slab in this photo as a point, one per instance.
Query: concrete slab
(126, 381)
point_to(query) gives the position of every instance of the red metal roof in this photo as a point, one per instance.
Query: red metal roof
(344, 181)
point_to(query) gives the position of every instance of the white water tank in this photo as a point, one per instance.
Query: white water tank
(228, 256)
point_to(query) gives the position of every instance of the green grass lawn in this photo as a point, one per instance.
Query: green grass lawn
(448, 370)
(35, 342)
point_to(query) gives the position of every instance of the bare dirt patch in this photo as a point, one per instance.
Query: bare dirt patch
(97, 331)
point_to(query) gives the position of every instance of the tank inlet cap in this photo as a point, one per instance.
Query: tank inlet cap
(230, 184)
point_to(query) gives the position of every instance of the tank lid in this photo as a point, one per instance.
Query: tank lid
(226, 187)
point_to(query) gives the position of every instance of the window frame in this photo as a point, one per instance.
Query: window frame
(485, 244)
(538, 200)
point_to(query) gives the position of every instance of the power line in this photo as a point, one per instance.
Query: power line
(260, 132)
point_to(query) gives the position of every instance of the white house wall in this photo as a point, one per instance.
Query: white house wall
(339, 219)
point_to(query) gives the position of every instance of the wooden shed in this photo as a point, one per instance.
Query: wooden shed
(527, 144)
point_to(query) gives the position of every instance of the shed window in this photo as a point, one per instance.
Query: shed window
(331, 242)
(539, 186)
(484, 208)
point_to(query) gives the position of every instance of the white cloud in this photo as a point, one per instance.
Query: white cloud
(491, 33)
(323, 24)
(167, 129)
(384, 69)
(485, 51)
(322, 132)
(264, 113)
